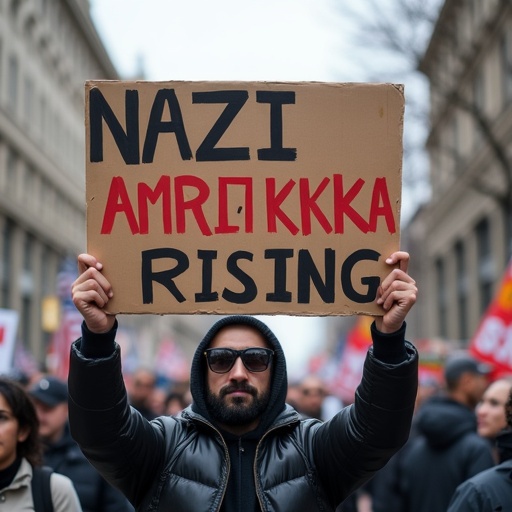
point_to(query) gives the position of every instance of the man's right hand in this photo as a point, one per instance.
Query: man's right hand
(91, 293)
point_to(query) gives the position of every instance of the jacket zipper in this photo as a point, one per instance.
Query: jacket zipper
(240, 452)
(226, 453)
(259, 492)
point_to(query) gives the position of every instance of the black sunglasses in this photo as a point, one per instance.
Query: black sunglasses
(221, 360)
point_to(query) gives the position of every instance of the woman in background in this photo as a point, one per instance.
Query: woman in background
(490, 411)
(490, 490)
(20, 453)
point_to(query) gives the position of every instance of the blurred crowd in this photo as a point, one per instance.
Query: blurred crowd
(461, 432)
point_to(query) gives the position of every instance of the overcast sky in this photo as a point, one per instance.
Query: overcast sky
(222, 40)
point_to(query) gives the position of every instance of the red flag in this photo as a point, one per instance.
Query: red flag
(492, 341)
(350, 369)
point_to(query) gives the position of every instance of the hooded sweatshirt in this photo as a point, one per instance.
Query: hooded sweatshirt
(241, 492)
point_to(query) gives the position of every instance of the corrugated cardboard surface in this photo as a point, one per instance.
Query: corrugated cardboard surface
(221, 247)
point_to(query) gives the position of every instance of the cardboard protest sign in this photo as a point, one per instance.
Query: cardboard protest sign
(243, 197)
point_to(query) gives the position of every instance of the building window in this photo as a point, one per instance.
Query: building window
(7, 261)
(43, 121)
(462, 290)
(29, 181)
(28, 251)
(1, 66)
(506, 66)
(44, 197)
(479, 92)
(25, 320)
(476, 14)
(456, 141)
(45, 274)
(13, 83)
(11, 175)
(441, 298)
(485, 263)
(28, 101)
(479, 104)
(15, 7)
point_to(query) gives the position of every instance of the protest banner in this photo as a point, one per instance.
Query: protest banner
(243, 197)
(8, 330)
(492, 342)
(350, 367)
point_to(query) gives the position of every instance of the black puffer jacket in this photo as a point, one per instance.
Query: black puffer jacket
(446, 451)
(185, 463)
(490, 490)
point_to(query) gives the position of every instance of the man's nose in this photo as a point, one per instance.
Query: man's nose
(239, 371)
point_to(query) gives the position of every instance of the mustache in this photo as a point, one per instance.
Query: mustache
(231, 388)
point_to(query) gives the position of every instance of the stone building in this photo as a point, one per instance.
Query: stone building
(461, 240)
(48, 49)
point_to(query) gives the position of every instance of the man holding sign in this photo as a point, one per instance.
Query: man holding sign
(239, 446)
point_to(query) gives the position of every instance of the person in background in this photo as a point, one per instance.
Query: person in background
(156, 401)
(142, 385)
(490, 490)
(311, 397)
(293, 394)
(490, 411)
(384, 488)
(447, 449)
(20, 455)
(239, 446)
(175, 402)
(169, 399)
(18, 376)
(62, 454)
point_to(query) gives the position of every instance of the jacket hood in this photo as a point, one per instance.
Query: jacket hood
(443, 421)
(279, 382)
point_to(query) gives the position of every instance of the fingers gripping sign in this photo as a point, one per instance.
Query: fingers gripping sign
(91, 292)
(397, 294)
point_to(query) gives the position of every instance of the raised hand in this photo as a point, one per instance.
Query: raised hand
(397, 294)
(91, 292)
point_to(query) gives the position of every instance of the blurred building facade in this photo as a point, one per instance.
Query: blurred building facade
(461, 241)
(48, 49)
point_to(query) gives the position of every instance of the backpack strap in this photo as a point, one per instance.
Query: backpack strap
(41, 490)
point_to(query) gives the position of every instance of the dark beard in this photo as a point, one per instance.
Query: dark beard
(238, 412)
